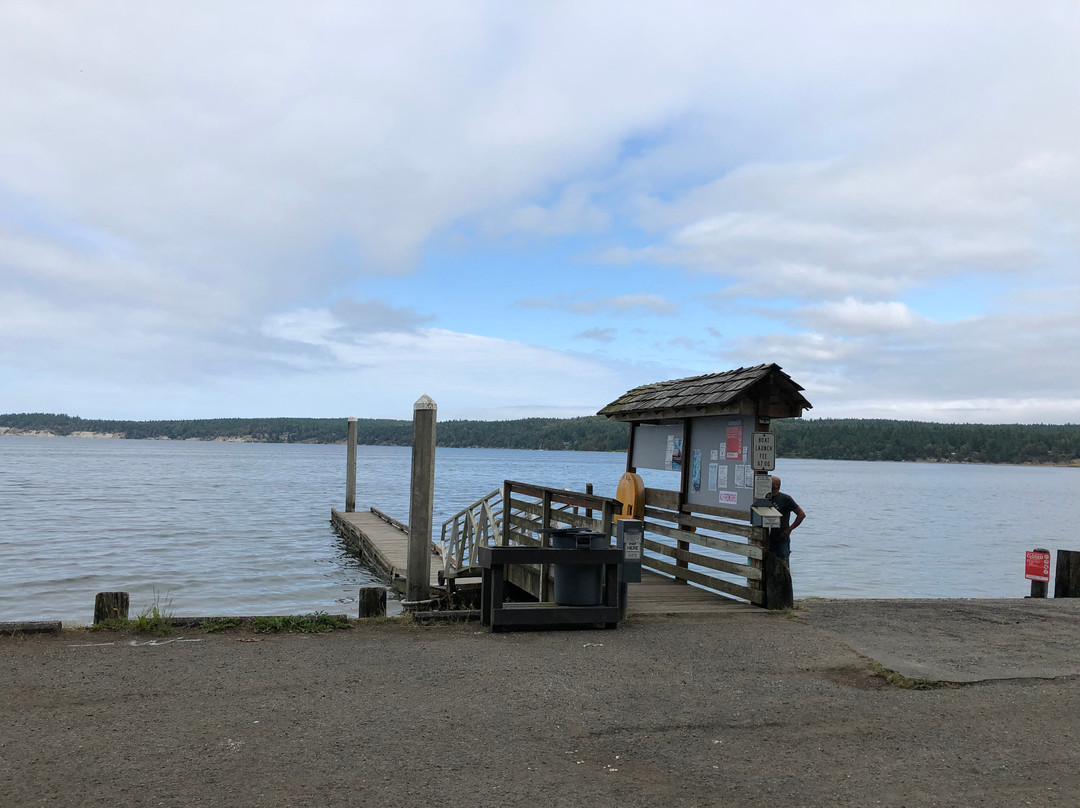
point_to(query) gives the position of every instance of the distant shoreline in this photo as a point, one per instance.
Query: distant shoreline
(35, 433)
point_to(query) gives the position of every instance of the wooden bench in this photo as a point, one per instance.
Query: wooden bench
(497, 614)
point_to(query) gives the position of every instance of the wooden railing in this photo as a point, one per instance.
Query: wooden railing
(468, 530)
(734, 547)
(712, 547)
(529, 509)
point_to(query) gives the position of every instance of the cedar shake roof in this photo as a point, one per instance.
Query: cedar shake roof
(713, 394)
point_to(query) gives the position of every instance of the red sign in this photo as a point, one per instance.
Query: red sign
(734, 442)
(1037, 566)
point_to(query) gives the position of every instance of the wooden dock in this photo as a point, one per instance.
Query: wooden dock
(381, 542)
(658, 594)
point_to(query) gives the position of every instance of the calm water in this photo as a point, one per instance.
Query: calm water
(235, 528)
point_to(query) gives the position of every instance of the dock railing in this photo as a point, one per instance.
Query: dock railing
(734, 548)
(466, 531)
(711, 547)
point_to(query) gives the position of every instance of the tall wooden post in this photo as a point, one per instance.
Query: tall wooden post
(759, 536)
(684, 492)
(421, 501)
(350, 470)
(1067, 580)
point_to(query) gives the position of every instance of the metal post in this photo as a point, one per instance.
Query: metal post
(421, 501)
(350, 471)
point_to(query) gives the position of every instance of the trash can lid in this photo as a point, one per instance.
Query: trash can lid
(571, 532)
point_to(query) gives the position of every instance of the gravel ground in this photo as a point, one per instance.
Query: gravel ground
(746, 709)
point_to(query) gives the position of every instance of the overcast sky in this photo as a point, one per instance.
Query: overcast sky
(213, 209)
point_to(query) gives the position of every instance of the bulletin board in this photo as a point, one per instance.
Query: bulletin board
(658, 447)
(720, 471)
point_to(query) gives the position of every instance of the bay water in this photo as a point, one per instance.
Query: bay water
(205, 528)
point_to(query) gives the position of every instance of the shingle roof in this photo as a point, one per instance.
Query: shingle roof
(706, 395)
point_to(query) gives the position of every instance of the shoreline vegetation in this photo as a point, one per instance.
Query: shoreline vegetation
(819, 439)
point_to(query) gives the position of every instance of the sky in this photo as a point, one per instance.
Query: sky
(324, 209)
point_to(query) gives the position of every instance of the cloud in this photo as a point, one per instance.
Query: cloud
(598, 334)
(854, 317)
(656, 304)
(272, 193)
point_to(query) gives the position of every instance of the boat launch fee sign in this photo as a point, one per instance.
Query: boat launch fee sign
(763, 451)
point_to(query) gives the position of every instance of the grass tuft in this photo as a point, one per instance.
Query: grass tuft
(213, 625)
(301, 623)
(157, 617)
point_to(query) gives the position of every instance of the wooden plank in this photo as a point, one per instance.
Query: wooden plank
(657, 594)
(558, 495)
(698, 522)
(490, 556)
(542, 614)
(718, 564)
(716, 510)
(391, 520)
(723, 545)
(705, 580)
(381, 544)
(668, 500)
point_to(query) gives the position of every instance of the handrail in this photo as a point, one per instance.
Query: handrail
(469, 529)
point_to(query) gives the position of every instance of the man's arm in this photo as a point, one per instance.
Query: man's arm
(800, 514)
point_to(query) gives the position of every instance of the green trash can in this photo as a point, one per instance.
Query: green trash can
(578, 585)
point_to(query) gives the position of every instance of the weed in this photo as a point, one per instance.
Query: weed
(112, 624)
(213, 625)
(157, 617)
(899, 680)
(302, 623)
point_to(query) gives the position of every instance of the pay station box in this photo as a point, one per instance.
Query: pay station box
(630, 536)
(765, 516)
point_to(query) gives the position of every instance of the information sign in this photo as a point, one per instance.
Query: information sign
(762, 486)
(1037, 566)
(763, 454)
(632, 536)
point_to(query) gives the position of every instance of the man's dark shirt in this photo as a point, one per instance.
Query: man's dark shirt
(786, 505)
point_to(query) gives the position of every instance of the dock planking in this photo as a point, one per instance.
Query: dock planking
(383, 545)
(658, 594)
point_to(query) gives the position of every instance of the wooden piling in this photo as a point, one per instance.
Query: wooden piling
(421, 501)
(111, 606)
(1067, 578)
(350, 471)
(372, 601)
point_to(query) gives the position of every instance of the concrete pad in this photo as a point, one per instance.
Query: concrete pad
(957, 640)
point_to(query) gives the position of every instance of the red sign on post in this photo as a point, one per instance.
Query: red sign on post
(1037, 566)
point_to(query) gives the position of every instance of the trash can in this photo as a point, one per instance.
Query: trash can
(578, 585)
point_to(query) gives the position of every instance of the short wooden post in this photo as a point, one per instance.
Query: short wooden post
(776, 577)
(111, 606)
(1038, 588)
(350, 469)
(372, 601)
(421, 501)
(1067, 578)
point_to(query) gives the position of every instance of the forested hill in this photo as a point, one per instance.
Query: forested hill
(846, 439)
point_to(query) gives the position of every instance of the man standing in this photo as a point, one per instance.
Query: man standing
(780, 538)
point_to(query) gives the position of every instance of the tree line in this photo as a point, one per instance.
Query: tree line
(827, 439)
